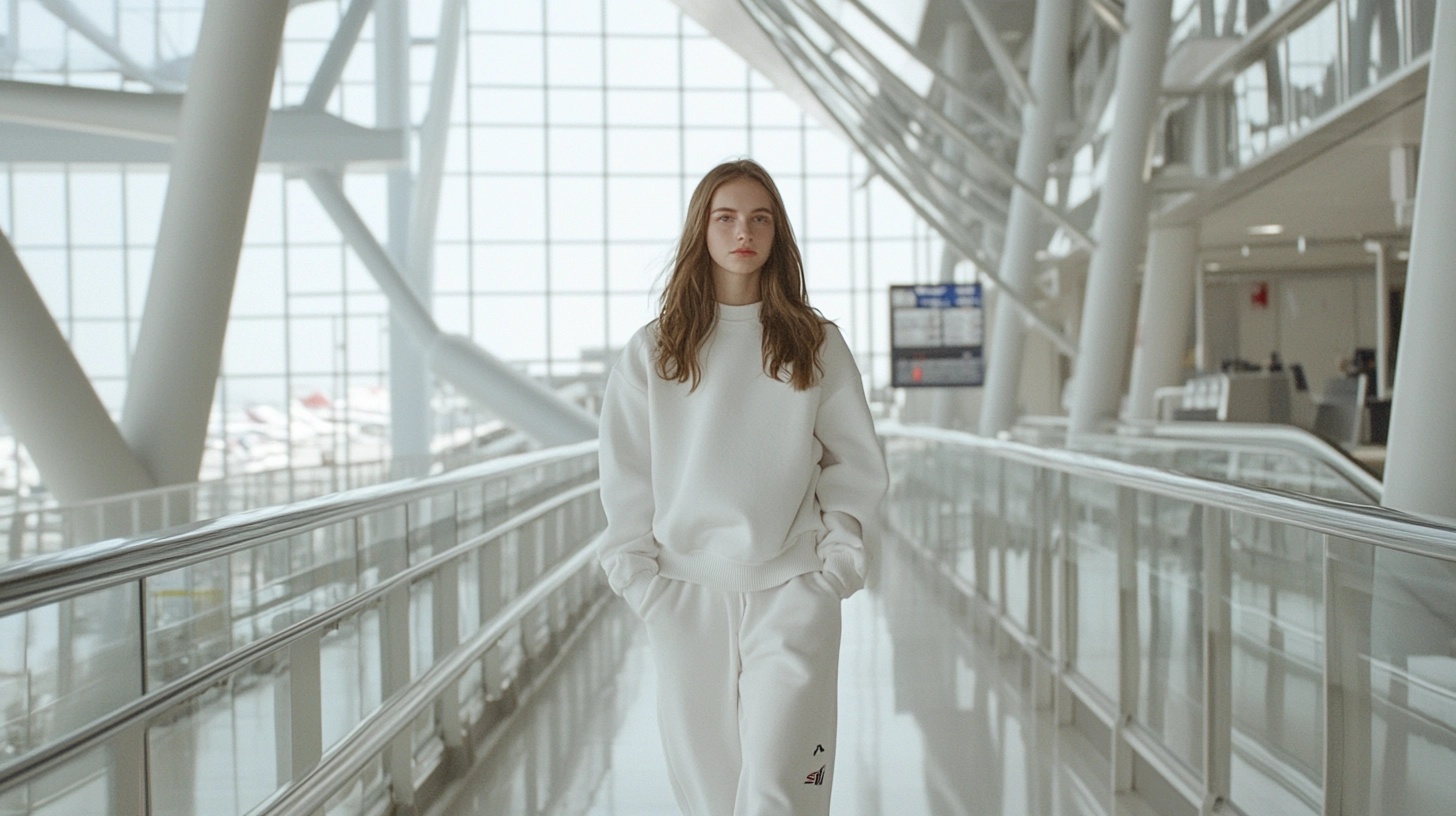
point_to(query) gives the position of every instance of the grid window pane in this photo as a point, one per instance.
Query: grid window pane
(507, 208)
(506, 59)
(574, 61)
(636, 211)
(638, 61)
(577, 268)
(643, 150)
(642, 107)
(576, 150)
(509, 106)
(508, 268)
(576, 209)
(508, 149)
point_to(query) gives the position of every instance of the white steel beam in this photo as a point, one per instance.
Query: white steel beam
(517, 399)
(331, 67)
(1121, 224)
(1051, 40)
(41, 122)
(410, 416)
(1164, 312)
(48, 400)
(169, 395)
(1016, 85)
(953, 85)
(68, 13)
(911, 186)
(1420, 470)
(434, 141)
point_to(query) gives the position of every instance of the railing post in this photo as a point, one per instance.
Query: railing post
(1348, 586)
(490, 603)
(1042, 577)
(1064, 703)
(298, 715)
(129, 772)
(394, 654)
(447, 637)
(1217, 662)
(1128, 645)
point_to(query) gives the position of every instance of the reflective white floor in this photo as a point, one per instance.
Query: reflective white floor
(931, 722)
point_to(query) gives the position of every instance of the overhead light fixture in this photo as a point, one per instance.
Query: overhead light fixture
(1266, 229)
(1300, 245)
(1212, 266)
(1403, 255)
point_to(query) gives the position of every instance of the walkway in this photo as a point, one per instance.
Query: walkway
(932, 722)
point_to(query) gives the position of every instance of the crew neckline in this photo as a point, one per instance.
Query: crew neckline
(748, 312)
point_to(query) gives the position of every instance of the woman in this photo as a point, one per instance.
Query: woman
(741, 479)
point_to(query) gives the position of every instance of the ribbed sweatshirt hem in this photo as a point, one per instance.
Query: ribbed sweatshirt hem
(709, 569)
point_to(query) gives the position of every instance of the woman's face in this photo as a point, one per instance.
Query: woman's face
(740, 232)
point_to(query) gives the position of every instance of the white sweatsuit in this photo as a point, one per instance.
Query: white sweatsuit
(738, 515)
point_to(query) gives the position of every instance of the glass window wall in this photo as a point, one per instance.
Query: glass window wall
(580, 127)
(1340, 50)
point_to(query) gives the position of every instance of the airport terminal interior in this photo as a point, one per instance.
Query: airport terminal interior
(307, 309)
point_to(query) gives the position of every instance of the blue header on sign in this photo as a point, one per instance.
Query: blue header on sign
(948, 296)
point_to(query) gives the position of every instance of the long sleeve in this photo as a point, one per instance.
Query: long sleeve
(853, 479)
(626, 549)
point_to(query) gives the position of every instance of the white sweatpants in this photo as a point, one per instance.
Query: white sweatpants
(747, 694)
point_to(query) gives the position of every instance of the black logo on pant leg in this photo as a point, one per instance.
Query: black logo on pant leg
(816, 778)
(818, 749)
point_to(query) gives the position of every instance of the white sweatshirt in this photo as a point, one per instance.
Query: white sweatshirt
(745, 482)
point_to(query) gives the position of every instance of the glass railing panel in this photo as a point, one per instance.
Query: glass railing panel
(1373, 31)
(349, 672)
(191, 619)
(1277, 617)
(64, 664)
(216, 754)
(431, 523)
(422, 627)
(1095, 531)
(83, 786)
(1413, 685)
(1019, 537)
(381, 545)
(1170, 624)
(1314, 66)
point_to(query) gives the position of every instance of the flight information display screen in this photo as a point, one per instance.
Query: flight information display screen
(937, 332)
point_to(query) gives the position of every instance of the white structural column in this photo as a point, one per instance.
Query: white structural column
(1413, 622)
(47, 399)
(1050, 82)
(1163, 316)
(411, 420)
(1122, 219)
(955, 59)
(1420, 470)
(174, 370)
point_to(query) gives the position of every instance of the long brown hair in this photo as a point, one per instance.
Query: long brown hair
(792, 330)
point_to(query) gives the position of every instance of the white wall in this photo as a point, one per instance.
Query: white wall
(1312, 319)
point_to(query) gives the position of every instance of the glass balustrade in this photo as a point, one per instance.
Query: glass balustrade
(209, 687)
(1286, 655)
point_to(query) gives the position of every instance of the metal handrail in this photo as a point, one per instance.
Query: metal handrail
(155, 702)
(310, 793)
(1378, 526)
(1283, 437)
(57, 576)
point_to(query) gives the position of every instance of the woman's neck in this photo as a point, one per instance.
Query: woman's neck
(736, 290)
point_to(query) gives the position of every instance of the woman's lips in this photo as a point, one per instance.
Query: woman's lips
(744, 252)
